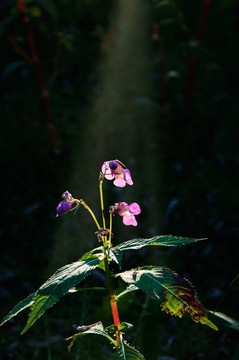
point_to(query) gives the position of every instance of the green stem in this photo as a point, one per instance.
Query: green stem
(106, 245)
(110, 234)
(102, 201)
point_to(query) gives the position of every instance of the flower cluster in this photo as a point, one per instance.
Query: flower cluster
(114, 169)
(110, 170)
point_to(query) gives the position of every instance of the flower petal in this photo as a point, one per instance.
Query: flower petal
(63, 207)
(127, 177)
(134, 208)
(130, 220)
(106, 171)
(119, 182)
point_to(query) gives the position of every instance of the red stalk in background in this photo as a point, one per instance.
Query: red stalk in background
(35, 61)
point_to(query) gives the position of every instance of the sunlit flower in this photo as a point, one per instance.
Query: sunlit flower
(127, 211)
(114, 170)
(65, 205)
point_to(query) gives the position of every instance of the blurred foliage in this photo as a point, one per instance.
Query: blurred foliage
(181, 142)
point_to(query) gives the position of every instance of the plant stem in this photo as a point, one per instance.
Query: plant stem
(106, 245)
(110, 234)
(102, 201)
(113, 301)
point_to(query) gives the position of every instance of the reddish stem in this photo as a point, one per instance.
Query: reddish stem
(113, 301)
(115, 314)
(35, 60)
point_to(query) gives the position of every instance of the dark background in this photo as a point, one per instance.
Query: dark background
(155, 85)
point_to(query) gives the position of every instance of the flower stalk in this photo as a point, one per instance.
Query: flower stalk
(101, 199)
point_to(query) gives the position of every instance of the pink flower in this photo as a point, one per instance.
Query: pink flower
(114, 170)
(127, 211)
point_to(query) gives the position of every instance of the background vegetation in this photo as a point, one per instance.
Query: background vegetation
(154, 84)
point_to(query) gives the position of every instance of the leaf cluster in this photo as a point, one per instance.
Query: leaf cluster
(179, 294)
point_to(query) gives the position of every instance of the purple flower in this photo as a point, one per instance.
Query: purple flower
(114, 170)
(127, 211)
(65, 205)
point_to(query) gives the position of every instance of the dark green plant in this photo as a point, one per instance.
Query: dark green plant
(158, 282)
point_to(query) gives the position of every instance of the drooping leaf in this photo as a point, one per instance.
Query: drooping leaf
(178, 292)
(161, 240)
(27, 302)
(126, 352)
(226, 320)
(95, 329)
(58, 285)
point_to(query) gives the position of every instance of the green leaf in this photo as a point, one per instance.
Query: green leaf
(226, 320)
(76, 289)
(126, 352)
(95, 252)
(27, 302)
(179, 293)
(95, 329)
(129, 289)
(116, 255)
(58, 285)
(124, 327)
(162, 240)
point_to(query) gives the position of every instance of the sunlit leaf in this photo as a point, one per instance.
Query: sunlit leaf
(179, 293)
(95, 329)
(162, 240)
(24, 304)
(116, 255)
(94, 252)
(226, 320)
(58, 285)
(124, 328)
(129, 289)
(126, 352)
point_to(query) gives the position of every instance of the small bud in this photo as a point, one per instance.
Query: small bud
(67, 196)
